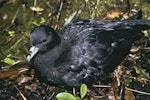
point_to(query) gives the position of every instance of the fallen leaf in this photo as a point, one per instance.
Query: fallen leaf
(112, 14)
(37, 9)
(23, 79)
(129, 95)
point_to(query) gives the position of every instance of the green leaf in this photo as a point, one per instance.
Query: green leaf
(39, 23)
(83, 90)
(78, 98)
(35, 23)
(141, 72)
(11, 33)
(65, 96)
(42, 20)
(9, 61)
(128, 81)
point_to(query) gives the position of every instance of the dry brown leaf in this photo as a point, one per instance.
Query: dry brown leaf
(129, 95)
(113, 92)
(134, 49)
(32, 87)
(11, 73)
(23, 79)
(112, 14)
(119, 72)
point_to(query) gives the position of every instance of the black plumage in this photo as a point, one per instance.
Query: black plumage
(84, 51)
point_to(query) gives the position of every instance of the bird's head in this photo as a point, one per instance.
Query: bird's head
(43, 38)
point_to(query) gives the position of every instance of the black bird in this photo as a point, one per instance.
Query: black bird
(84, 51)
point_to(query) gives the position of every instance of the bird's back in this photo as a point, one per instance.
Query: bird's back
(96, 48)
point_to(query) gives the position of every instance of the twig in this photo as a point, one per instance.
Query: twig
(60, 8)
(99, 97)
(97, 3)
(122, 91)
(15, 15)
(137, 91)
(70, 18)
(51, 96)
(16, 44)
(23, 97)
(102, 86)
(35, 1)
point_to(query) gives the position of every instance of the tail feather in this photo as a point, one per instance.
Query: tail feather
(138, 26)
(136, 22)
(138, 15)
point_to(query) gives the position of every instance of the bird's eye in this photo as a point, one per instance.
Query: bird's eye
(43, 41)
